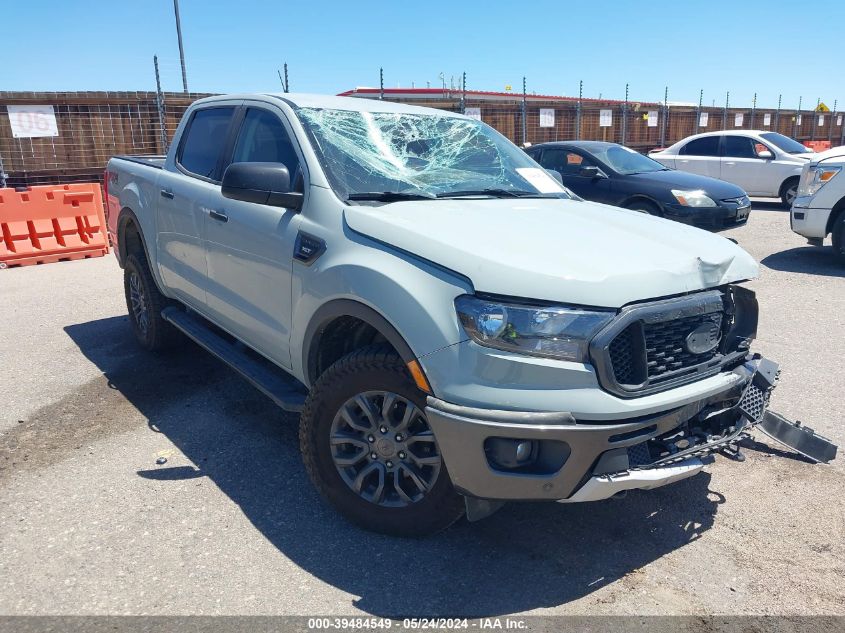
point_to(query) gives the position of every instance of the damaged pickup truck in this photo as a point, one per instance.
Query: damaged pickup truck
(456, 329)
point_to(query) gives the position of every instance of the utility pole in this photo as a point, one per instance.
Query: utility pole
(463, 93)
(725, 113)
(181, 48)
(160, 107)
(287, 85)
(381, 83)
(665, 117)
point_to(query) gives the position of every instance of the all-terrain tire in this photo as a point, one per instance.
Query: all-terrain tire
(839, 237)
(373, 369)
(145, 303)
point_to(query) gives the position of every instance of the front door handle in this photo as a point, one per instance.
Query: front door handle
(166, 193)
(218, 215)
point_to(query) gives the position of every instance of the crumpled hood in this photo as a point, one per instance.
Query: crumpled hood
(557, 250)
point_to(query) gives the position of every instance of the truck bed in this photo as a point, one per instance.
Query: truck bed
(150, 160)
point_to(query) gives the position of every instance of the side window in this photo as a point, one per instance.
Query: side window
(263, 139)
(739, 147)
(566, 162)
(704, 146)
(204, 140)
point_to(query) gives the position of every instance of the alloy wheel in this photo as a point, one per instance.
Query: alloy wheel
(139, 303)
(384, 450)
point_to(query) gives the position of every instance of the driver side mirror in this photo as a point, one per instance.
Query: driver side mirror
(591, 172)
(261, 183)
(765, 155)
(556, 175)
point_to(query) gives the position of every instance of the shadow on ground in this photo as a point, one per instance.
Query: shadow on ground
(811, 260)
(526, 556)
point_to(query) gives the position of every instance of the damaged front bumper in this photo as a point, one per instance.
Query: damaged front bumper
(504, 455)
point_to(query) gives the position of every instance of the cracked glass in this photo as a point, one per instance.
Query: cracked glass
(420, 155)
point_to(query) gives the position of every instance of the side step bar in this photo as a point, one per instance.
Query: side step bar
(283, 389)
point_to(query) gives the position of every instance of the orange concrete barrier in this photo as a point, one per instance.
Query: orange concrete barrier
(817, 146)
(51, 223)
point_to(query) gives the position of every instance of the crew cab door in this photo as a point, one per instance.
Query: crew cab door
(184, 191)
(569, 163)
(249, 247)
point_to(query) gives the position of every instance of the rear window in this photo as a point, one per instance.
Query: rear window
(204, 140)
(705, 146)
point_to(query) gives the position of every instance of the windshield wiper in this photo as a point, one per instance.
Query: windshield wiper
(389, 196)
(497, 193)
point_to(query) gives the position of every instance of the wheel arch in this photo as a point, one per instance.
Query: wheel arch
(341, 326)
(786, 181)
(126, 221)
(641, 197)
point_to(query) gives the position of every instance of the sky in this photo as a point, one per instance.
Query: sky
(769, 47)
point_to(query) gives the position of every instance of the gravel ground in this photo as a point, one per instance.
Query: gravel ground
(230, 524)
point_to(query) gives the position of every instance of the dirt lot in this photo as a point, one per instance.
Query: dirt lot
(230, 525)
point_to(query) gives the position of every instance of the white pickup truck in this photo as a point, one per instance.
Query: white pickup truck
(819, 208)
(456, 330)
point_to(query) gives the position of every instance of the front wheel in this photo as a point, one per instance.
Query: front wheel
(145, 303)
(839, 237)
(369, 450)
(643, 206)
(788, 192)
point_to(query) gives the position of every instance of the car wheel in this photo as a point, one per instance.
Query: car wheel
(369, 450)
(643, 206)
(788, 192)
(145, 303)
(839, 236)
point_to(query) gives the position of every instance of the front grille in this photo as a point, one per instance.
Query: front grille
(742, 201)
(665, 344)
(654, 346)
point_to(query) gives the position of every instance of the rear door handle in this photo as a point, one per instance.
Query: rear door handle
(218, 215)
(165, 193)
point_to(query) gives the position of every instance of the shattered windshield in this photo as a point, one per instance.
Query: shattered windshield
(389, 156)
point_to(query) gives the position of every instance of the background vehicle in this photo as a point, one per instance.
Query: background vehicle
(819, 209)
(763, 163)
(617, 175)
(445, 319)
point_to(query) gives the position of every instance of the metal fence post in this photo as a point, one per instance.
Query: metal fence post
(725, 113)
(287, 85)
(698, 112)
(795, 120)
(665, 117)
(381, 83)
(777, 114)
(578, 110)
(3, 175)
(160, 107)
(625, 117)
(815, 123)
(753, 111)
(464, 93)
(829, 131)
(524, 115)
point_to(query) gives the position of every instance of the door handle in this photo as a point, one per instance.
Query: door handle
(218, 215)
(166, 193)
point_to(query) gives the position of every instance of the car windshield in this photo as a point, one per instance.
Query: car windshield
(626, 161)
(390, 156)
(788, 145)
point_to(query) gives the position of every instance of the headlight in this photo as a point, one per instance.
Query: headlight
(815, 178)
(552, 331)
(695, 198)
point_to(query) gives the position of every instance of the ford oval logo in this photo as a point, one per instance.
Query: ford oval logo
(703, 338)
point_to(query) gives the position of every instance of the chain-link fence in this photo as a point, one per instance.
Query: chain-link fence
(90, 127)
(93, 126)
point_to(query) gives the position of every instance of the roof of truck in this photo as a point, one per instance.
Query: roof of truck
(304, 100)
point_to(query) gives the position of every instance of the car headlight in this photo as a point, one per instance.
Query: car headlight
(815, 178)
(695, 198)
(553, 331)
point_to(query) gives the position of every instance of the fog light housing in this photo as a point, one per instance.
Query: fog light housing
(506, 453)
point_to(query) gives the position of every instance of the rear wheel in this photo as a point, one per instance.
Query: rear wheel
(145, 303)
(789, 191)
(369, 450)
